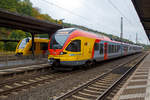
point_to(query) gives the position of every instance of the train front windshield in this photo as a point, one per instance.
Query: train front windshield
(58, 40)
(23, 43)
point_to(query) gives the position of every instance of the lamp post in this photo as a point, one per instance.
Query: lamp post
(62, 22)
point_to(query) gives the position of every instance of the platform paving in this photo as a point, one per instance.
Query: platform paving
(21, 62)
(22, 69)
(137, 86)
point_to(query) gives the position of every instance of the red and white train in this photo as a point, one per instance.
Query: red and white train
(73, 47)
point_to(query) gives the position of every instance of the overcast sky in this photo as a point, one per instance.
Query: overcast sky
(101, 15)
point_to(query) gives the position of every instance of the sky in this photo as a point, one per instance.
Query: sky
(101, 15)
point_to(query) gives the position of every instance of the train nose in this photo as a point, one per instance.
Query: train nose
(51, 61)
(19, 54)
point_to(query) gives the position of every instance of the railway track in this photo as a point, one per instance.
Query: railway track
(14, 85)
(100, 87)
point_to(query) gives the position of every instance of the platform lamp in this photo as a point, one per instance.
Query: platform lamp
(61, 22)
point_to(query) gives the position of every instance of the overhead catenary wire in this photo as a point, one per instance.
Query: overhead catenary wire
(75, 14)
(115, 7)
(65, 9)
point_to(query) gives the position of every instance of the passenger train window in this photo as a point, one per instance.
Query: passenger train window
(101, 48)
(96, 46)
(112, 48)
(115, 48)
(74, 46)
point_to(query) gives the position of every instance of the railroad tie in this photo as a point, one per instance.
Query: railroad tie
(1, 90)
(24, 82)
(17, 84)
(38, 79)
(93, 88)
(99, 86)
(87, 94)
(42, 77)
(7, 86)
(91, 91)
(31, 80)
(81, 98)
(14, 93)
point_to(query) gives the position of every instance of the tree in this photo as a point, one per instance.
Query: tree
(10, 5)
(17, 35)
(25, 7)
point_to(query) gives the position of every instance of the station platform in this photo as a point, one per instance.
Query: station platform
(22, 69)
(10, 64)
(137, 86)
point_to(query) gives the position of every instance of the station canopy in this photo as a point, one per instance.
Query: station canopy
(27, 23)
(143, 9)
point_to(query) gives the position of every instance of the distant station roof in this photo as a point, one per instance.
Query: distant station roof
(26, 23)
(143, 9)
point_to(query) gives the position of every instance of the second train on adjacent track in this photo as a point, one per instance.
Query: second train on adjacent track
(72, 47)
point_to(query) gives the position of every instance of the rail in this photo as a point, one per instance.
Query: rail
(79, 91)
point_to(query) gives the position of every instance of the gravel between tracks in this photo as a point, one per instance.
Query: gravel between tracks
(52, 89)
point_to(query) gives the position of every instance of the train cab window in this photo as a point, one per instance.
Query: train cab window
(23, 43)
(74, 46)
(96, 46)
(43, 46)
(101, 48)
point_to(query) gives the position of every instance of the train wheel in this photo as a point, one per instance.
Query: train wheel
(52, 67)
(94, 63)
(89, 64)
(55, 64)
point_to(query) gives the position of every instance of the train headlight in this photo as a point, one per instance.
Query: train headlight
(72, 54)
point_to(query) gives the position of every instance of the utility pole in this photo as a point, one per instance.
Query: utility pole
(121, 34)
(136, 38)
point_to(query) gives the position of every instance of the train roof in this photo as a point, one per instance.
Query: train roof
(34, 38)
(92, 35)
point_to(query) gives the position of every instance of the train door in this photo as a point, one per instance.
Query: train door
(86, 49)
(105, 50)
(37, 49)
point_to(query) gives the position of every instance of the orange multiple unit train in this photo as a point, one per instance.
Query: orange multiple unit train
(73, 47)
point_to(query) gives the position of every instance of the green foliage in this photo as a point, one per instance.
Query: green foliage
(10, 5)
(4, 33)
(1, 45)
(17, 35)
(10, 46)
(24, 7)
